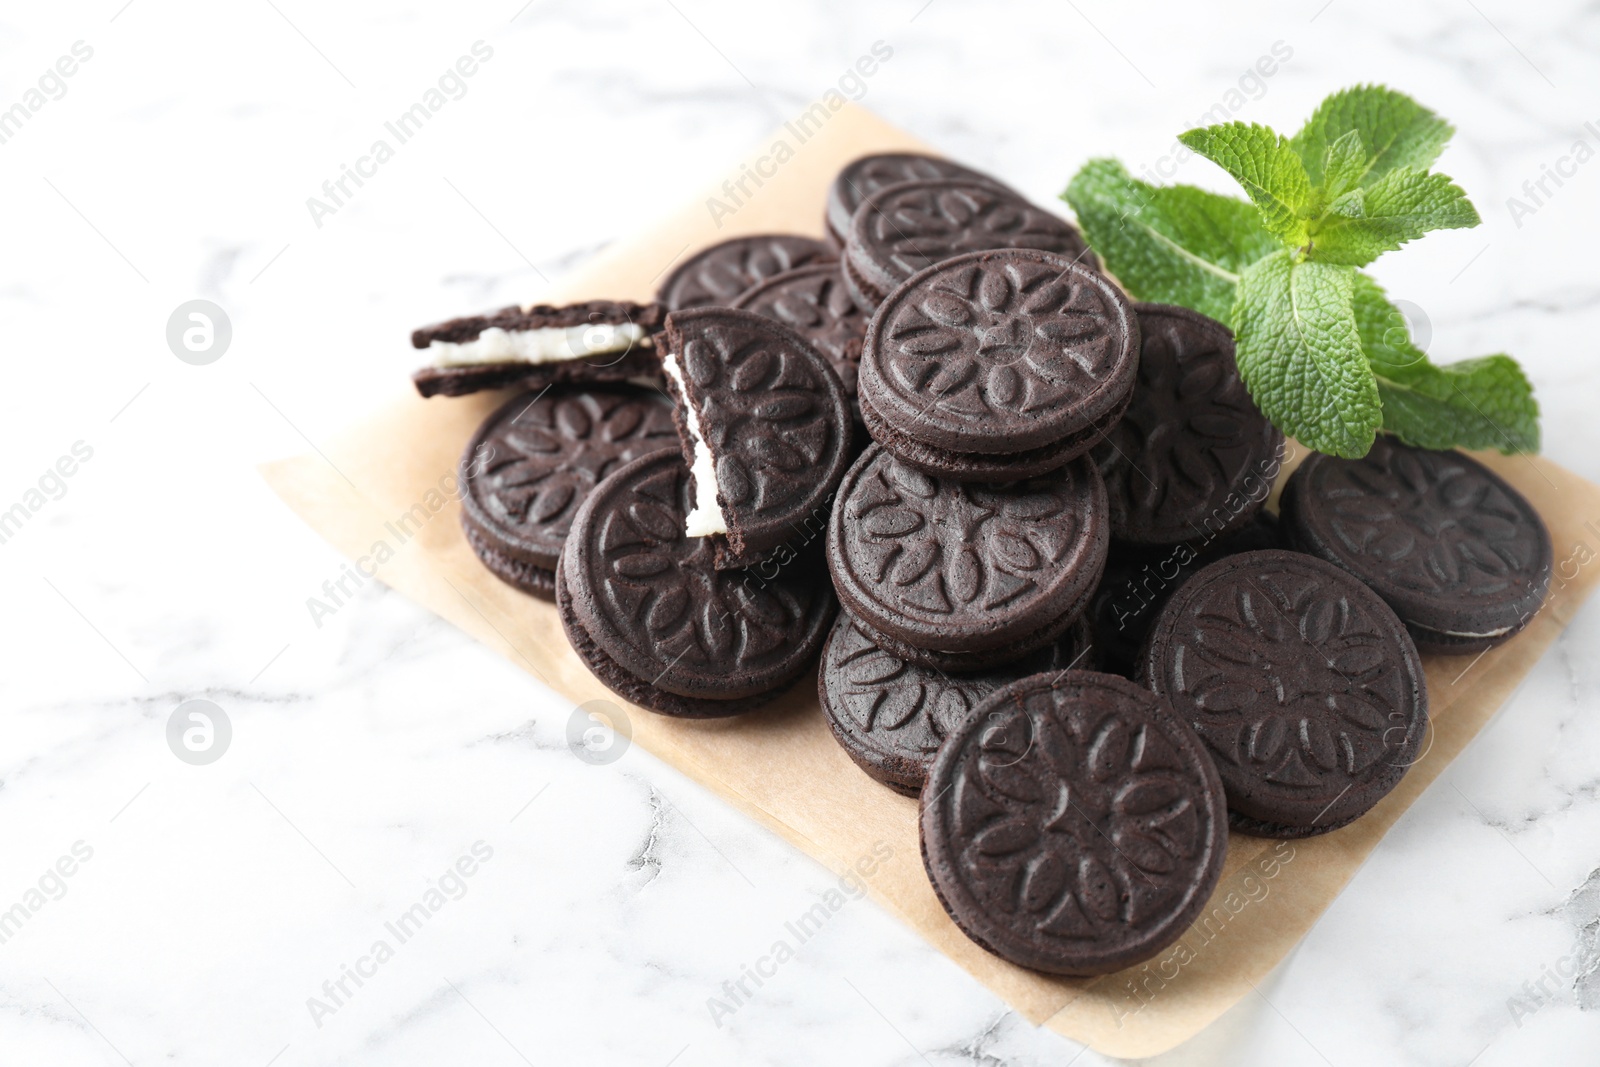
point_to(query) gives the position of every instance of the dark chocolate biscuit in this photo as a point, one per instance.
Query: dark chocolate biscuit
(592, 341)
(812, 301)
(902, 229)
(998, 365)
(865, 176)
(533, 461)
(1305, 687)
(961, 576)
(1138, 579)
(718, 274)
(1073, 824)
(1461, 556)
(891, 716)
(657, 623)
(1192, 457)
(763, 415)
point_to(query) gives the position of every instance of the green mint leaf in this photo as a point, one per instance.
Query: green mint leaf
(1401, 206)
(1343, 164)
(1395, 131)
(1351, 205)
(1476, 403)
(1269, 170)
(1173, 244)
(1300, 353)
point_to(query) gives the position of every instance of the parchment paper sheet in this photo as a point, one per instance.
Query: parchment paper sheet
(388, 482)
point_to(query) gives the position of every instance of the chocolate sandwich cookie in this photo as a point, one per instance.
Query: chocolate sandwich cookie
(594, 341)
(965, 577)
(1138, 579)
(865, 176)
(531, 464)
(765, 426)
(891, 716)
(904, 228)
(1461, 557)
(1305, 687)
(998, 365)
(1073, 824)
(650, 615)
(1192, 458)
(812, 301)
(718, 274)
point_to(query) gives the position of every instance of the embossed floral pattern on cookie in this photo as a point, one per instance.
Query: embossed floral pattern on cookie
(1000, 352)
(541, 455)
(892, 715)
(813, 302)
(532, 463)
(776, 421)
(1082, 827)
(1431, 522)
(1302, 682)
(717, 275)
(912, 226)
(1192, 457)
(680, 622)
(929, 550)
(1461, 556)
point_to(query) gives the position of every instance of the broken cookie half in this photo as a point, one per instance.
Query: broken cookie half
(766, 431)
(592, 341)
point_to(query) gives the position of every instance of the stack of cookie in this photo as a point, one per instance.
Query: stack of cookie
(945, 453)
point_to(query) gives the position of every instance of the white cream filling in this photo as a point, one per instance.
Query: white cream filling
(707, 517)
(551, 344)
(1491, 633)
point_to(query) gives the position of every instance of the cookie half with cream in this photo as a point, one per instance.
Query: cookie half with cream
(766, 429)
(592, 341)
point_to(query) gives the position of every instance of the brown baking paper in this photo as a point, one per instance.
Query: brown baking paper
(383, 494)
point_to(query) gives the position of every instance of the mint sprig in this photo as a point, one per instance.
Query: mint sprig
(1304, 364)
(1176, 240)
(1325, 354)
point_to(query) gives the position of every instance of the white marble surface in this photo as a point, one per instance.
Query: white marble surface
(369, 754)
